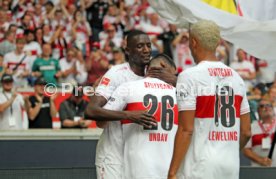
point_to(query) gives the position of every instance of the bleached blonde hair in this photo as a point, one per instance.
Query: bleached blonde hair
(207, 33)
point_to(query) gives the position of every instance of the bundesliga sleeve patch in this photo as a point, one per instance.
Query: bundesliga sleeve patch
(105, 81)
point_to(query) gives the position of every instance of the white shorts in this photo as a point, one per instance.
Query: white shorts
(109, 171)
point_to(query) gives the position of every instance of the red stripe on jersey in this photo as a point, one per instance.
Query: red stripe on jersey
(257, 139)
(205, 106)
(139, 106)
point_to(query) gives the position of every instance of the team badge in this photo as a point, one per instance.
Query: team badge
(105, 81)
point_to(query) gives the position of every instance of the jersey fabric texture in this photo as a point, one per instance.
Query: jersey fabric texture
(218, 96)
(147, 151)
(110, 145)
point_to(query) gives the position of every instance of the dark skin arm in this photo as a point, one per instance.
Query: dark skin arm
(182, 140)
(96, 111)
(245, 129)
(162, 73)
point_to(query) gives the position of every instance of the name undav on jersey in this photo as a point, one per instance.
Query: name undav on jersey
(165, 113)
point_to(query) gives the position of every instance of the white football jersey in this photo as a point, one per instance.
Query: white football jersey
(147, 151)
(11, 60)
(110, 144)
(218, 95)
(256, 142)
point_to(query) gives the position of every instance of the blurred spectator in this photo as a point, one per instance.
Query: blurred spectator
(8, 43)
(181, 52)
(72, 111)
(245, 69)
(118, 57)
(47, 33)
(47, 67)
(48, 7)
(18, 64)
(97, 64)
(272, 96)
(27, 23)
(70, 11)
(32, 48)
(41, 108)
(56, 17)
(3, 23)
(73, 68)
(38, 17)
(17, 31)
(39, 36)
(81, 32)
(2, 66)
(11, 105)
(114, 16)
(264, 72)
(153, 29)
(59, 43)
(95, 11)
(110, 41)
(254, 96)
(167, 39)
(222, 52)
(258, 146)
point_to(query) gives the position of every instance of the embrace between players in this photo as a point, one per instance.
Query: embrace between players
(153, 130)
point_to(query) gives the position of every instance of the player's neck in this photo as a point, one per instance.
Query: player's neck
(138, 70)
(206, 56)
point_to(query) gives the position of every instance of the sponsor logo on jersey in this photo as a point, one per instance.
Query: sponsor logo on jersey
(105, 81)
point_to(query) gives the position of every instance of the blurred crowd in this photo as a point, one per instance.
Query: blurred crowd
(70, 41)
(77, 41)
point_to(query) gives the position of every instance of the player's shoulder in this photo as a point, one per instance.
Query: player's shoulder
(188, 72)
(121, 68)
(132, 84)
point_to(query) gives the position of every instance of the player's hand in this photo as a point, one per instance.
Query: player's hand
(163, 74)
(266, 162)
(141, 117)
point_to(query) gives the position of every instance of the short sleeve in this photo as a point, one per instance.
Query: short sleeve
(186, 94)
(118, 100)
(108, 84)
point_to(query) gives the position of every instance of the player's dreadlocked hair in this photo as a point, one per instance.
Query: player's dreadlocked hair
(165, 58)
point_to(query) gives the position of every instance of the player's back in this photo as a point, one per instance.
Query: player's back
(216, 95)
(148, 151)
